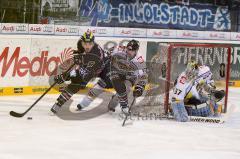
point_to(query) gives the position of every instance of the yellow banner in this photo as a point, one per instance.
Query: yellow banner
(31, 90)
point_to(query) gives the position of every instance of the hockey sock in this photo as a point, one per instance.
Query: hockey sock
(64, 96)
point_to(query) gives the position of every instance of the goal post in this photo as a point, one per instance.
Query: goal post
(170, 60)
(216, 56)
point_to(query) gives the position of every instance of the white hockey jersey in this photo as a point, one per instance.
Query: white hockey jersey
(185, 88)
(203, 81)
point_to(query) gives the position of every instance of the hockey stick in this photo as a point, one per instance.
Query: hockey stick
(129, 111)
(217, 120)
(19, 115)
(199, 119)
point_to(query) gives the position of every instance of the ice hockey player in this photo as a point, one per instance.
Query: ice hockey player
(79, 76)
(188, 93)
(105, 82)
(126, 65)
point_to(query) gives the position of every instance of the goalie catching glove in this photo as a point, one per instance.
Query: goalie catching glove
(59, 79)
(217, 95)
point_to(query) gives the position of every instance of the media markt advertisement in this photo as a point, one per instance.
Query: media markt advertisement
(29, 62)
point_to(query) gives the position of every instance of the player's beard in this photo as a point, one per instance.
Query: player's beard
(87, 50)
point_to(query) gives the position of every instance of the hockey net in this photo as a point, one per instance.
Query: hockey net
(170, 60)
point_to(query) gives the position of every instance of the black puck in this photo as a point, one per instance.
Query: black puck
(29, 118)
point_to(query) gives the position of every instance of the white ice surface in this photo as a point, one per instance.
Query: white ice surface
(48, 137)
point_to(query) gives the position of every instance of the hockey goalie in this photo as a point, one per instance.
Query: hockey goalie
(195, 94)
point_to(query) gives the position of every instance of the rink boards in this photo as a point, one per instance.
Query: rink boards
(27, 62)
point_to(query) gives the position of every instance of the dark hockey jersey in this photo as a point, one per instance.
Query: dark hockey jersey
(90, 72)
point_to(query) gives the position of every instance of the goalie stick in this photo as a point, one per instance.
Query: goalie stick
(199, 119)
(217, 120)
(207, 119)
(19, 115)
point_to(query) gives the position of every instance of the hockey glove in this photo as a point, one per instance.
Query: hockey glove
(217, 94)
(76, 57)
(138, 90)
(61, 78)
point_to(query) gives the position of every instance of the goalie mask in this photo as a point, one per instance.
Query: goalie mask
(132, 48)
(192, 70)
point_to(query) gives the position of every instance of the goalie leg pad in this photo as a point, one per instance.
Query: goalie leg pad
(216, 108)
(203, 111)
(179, 112)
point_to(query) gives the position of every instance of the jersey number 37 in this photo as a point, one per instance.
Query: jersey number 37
(177, 91)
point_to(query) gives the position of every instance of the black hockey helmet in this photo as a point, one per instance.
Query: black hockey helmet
(88, 37)
(133, 45)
